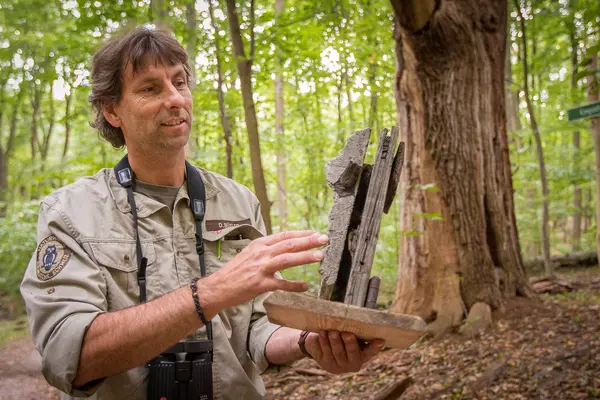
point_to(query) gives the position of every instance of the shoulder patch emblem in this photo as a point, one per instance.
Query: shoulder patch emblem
(52, 256)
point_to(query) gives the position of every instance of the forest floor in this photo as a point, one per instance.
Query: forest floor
(546, 349)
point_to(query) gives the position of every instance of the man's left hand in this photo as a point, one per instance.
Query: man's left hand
(339, 352)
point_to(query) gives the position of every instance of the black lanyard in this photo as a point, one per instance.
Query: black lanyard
(126, 178)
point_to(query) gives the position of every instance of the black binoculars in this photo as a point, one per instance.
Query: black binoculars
(182, 372)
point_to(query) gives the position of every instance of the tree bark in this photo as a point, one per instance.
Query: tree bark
(592, 96)
(449, 91)
(279, 131)
(513, 123)
(244, 67)
(413, 15)
(539, 148)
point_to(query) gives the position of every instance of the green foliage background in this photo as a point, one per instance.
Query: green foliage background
(46, 47)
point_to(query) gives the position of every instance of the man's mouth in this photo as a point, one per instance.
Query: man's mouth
(174, 122)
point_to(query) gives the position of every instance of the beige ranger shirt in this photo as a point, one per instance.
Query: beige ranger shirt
(85, 265)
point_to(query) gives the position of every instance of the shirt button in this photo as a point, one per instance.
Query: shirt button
(126, 258)
(238, 250)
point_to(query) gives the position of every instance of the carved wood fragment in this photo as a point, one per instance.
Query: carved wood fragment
(348, 294)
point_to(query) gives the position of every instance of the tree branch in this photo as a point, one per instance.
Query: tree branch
(414, 15)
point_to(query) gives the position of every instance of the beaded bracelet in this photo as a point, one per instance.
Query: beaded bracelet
(199, 311)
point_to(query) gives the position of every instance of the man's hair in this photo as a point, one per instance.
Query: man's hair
(138, 48)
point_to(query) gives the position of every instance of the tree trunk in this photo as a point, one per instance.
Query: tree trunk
(68, 98)
(578, 259)
(457, 163)
(5, 153)
(592, 96)
(223, 117)
(539, 148)
(373, 123)
(45, 148)
(191, 24)
(589, 213)
(35, 108)
(348, 96)
(576, 236)
(533, 248)
(279, 131)
(577, 205)
(341, 135)
(3, 182)
(159, 14)
(10, 145)
(244, 67)
(3, 169)
(372, 60)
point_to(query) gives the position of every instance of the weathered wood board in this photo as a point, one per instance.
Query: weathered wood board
(343, 174)
(362, 192)
(301, 311)
(368, 232)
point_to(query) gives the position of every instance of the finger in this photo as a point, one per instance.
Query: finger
(337, 348)
(352, 348)
(290, 286)
(326, 349)
(283, 261)
(278, 237)
(298, 244)
(371, 350)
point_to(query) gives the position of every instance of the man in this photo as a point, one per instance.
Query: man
(93, 320)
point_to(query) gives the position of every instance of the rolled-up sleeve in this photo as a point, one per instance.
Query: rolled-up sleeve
(261, 329)
(64, 291)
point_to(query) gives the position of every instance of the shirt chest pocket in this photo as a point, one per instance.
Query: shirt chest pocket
(222, 246)
(120, 262)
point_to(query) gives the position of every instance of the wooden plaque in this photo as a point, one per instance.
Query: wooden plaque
(304, 312)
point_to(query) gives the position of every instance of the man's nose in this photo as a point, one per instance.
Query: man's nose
(174, 97)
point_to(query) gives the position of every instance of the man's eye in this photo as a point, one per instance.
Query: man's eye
(147, 89)
(180, 83)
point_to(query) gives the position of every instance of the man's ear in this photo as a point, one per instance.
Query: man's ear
(109, 112)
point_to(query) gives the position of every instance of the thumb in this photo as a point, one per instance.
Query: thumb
(371, 350)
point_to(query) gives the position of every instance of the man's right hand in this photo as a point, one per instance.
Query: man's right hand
(107, 351)
(252, 271)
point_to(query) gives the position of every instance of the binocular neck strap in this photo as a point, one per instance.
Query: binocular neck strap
(197, 193)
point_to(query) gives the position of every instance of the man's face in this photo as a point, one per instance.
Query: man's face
(155, 110)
